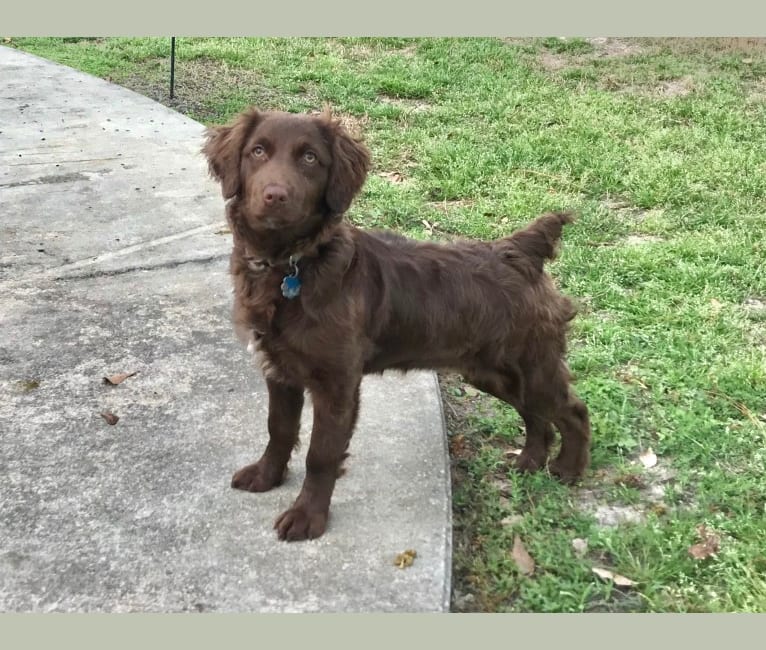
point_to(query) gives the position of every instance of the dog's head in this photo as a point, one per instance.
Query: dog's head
(285, 169)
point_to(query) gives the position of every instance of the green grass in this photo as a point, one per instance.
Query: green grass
(660, 146)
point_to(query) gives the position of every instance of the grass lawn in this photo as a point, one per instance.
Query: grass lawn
(660, 146)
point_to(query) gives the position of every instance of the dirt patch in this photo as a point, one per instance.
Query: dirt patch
(651, 484)
(667, 88)
(757, 93)
(368, 51)
(705, 45)
(606, 66)
(638, 240)
(755, 332)
(675, 87)
(412, 105)
(445, 206)
(614, 47)
(756, 306)
(354, 124)
(609, 516)
(602, 48)
(199, 79)
(626, 211)
(554, 62)
(353, 52)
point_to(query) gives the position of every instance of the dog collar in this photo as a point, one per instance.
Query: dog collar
(291, 282)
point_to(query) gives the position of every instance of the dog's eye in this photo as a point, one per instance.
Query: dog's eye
(258, 150)
(310, 157)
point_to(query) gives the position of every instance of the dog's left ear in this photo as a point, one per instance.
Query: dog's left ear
(350, 163)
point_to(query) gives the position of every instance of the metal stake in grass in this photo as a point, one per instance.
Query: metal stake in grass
(172, 64)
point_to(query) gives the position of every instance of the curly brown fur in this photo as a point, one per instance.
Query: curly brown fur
(371, 301)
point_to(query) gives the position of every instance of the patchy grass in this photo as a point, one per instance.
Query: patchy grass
(660, 145)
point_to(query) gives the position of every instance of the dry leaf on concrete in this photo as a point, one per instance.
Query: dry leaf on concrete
(523, 559)
(405, 559)
(114, 380)
(111, 418)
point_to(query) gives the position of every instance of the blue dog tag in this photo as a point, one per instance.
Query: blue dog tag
(291, 286)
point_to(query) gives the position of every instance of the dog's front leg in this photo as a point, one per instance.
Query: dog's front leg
(285, 405)
(336, 405)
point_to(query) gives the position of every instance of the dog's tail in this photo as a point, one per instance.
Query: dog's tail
(528, 249)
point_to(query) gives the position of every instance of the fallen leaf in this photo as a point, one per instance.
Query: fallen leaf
(631, 481)
(405, 559)
(708, 546)
(523, 559)
(648, 458)
(580, 546)
(394, 177)
(747, 60)
(118, 378)
(458, 447)
(110, 418)
(620, 581)
(513, 452)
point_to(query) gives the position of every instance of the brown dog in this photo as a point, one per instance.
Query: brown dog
(325, 303)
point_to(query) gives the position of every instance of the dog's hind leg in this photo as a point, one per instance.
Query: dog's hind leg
(550, 396)
(508, 386)
(574, 425)
(543, 398)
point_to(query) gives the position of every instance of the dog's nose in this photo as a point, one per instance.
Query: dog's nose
(274, 194)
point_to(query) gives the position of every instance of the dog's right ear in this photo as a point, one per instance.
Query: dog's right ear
(223, 150)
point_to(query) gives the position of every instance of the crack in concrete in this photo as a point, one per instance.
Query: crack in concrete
(48, 162)
(146, 267)
(45, 180)
(60, 272)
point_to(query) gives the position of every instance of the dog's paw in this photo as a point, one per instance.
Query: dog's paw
(567, 472)
(258, 477)
(528, 463)
(297, 524)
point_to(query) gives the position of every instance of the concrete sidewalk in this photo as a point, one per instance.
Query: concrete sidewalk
(112, 260)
